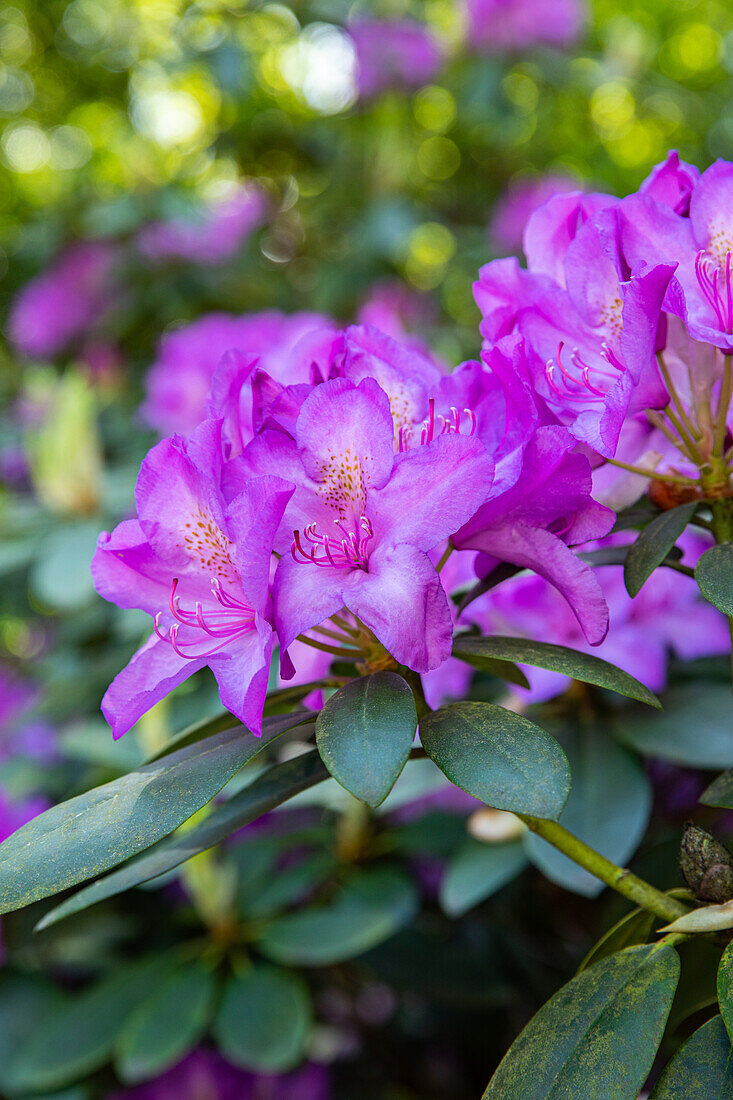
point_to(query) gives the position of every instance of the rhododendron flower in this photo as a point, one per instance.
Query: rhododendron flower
(699, 242)
(668, 614)
(533, 524)
(395, 53)
(515, 24)
(358, 527)
(53, 309)
(204, 1075)
(591, 322)
(200, 566)
(179, 382)
(211, 238)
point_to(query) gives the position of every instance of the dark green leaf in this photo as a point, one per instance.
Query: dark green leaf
(720, 792)
(597, 1037)
(654, 544)
(499, 757)
(288, 886)
(365, 732)
(502, 572)
(166, 1024)
(264, 1020)
(25, 1004)
(209, 726)
(78, 1037)
(270, 789)
(608, 808)
(631, 930)
(556, 658)
(502, 670)
(371, 906)
(725, 988)
(83, 837)
(714, 575)
(477, 872)
(702, 1069)
(636, 927)
(695, 727)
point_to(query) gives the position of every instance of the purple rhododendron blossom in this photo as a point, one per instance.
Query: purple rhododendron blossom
(60, 304)
(358, 528)
(696, 233)
(179, 382)
(211, 238)
(515, 24)
(204, 1075)
(395, 53)
(591, 322)
(667, 615)
(200, 566)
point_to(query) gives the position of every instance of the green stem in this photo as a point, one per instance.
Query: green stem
(413, 679)
(721, 415)
(347, 654)
(444, 558)
(618, 878)
(676, 400)
(676, 479)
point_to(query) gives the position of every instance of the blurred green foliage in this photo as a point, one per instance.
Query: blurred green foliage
(120, 110)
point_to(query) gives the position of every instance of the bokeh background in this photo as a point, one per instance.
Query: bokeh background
(160, 160)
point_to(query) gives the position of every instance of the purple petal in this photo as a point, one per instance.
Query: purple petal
(402, 601)
(153, 672)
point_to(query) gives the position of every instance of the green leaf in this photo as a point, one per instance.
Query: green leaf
(264, 1020)
(25, 1005)
(654, 544)
(477, 872)
(720, 792)
(269, 790)
(78, 1037)
(597, 1037)
(556, 658)
(675, 734)
(702, 1069)
(371, 906)
(633, 929)
(502, 670)
(83, 837)
(499, 757)
(636, 927)
(288, 886)
(725, 988)
(166, 1024)
(365, 732)
(714, 576)
(608, 808)
(209, 726)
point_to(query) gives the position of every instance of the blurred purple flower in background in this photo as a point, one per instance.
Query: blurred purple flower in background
(57, 306)
(204, 1075)
(179, 382)
(216, 234)
(516, 24)
(522, 197)
(397, 53)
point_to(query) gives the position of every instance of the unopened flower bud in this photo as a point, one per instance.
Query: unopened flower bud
(706, 864)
